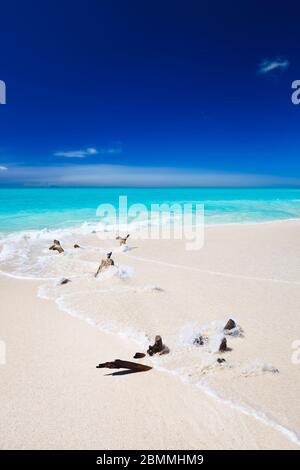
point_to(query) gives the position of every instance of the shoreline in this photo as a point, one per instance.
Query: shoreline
(206, 226)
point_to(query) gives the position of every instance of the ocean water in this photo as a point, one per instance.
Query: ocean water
(51, 208)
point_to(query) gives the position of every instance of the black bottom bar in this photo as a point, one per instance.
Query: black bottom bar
(139, 458)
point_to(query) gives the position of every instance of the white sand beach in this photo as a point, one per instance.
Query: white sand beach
(54, 397)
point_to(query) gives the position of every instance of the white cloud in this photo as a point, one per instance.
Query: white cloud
(267, 66)
(110, 150)
(77, 153)
(3, 168)
(122, 175)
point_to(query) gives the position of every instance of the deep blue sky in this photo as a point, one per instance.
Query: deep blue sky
(149, 84)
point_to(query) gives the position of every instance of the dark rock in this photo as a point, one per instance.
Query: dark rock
(76, 246)
(198, 341)
(64, 280)
(158, 347)
(223, 345)
(221, 360)
(230, 325)
(139, 355)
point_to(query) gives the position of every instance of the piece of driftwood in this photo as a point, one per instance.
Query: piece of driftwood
(76, 246)
(105, 263)
(64, 280)
(139, 355)
(119, 364)
(158, 347)
(223, 345)
(121, 240)
(230, 325)
(56, 246)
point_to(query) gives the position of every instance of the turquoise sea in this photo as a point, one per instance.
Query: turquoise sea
(38, 208)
